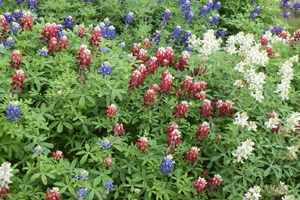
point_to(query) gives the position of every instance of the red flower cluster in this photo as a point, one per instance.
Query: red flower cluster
(223, 108)
(54, 194)
(53, 46)
(4, 190)
(167, 81)
(182, 62)
(149, 97)
(118, 129)
(192, 155)
(152, 65)
(205, 111)
(173, 140)
(146, 43)
(269, 49)
(201, 70)
(138, 77)
(84, 57)
(297, 36)
(95, 40)
(142, 55)
(107, 161)
(111, 111)
(189, 89)
(27, 21)
(273, 114)
(276, 56)
(81, 33)
(180, 110)
(16, 59)
(165, 56)
(136, 49)
(264, 42)
(143, 144)
(171, 128)
(58, 155)
(5, 28)
(18, 82)
(202, 132)
(201, 183)
(63, 42)
(49, 31)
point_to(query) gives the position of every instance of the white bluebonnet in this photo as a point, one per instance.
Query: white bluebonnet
(243, 151)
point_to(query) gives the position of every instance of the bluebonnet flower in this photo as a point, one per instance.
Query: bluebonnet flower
(186, 6)
(60, 29)
(210, 5)
(111, 33)
(103, 29)
(255, 13)
(1, 3)
(88, 0)
(69, 22)
(167, 166)
(216, 19)
(165, 17)
(156, 36)
(19, 1)
(2, 49)
(106, 22)
(176, 35)
(9, 17)
(40, 19)
(82, 193)
(38, 150)
(32, 4)
(296, 7)
(105, 51)
(106, 143)
(286, 15)
(203, 11)
(121, 1)
(13, 111)
(122, 45)
(223, 33)
(129, 18)
(109, 185)
(218, 6)
(82, 175)
(216, 32)
(129, 56)
(189, 48)
(253, 1)
(276, 30)
(15, 26)
(9, 42)
(18, 15)
(186, 36)
(210, 20)
(44, 51)
(189, 16)
(285, 4)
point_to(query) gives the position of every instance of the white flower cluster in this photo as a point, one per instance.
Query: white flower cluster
(209, 44)
(273, 121)
(291, 197)
(243, 151)
(245, 42)
(242, 118)
(292, 121)
(255, 193)
(255, 83)
(275, 39)
(286, 73)
(293, 150)
(5, 175)
(257, 57)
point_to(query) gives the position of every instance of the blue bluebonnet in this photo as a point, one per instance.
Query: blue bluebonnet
(32, 4)
(285, 4)
(15, 26)
(109, 185)
(88, 1)
(9, 42)
(210, 5)
(40, 19)
(296, 7)
(223, 33)
(104, 50)
(210, 20)
(1, 3)
(122, 45)
(129, 19)
(82, 175)
(203, 11)
(175, 36)
(106, 143)
(253, 1)
(121, 1)
(19, 1)
(18, 15)
(165, 17)
(286, 15)
(255, 13)
(189, 48)
(2, 49)
(167, 166)
(60, 29)
(103, 29)
(9, 17)
(189, 16)
(106, 22)
(186, 36)
(44, 51)
(156, 36)
(13, 111)
(216, 19)
(216, 32)
(69, 22)
(82, 193)
(276, 30)
(38, 150)
(111, 33)
(217, 6)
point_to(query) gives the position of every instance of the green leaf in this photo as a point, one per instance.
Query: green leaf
(60, 127)
(69, 126)
(82, 101)
(267, 171)
(44, 179)
(83, 159)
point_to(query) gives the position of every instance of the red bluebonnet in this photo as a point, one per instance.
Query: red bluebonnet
(16, 59)
(205, 111)
(58, 155)
(111, 111)
(118, 129)
(174, 140)
(202, 133)
(143, 144)
(180, 111)
(200, 185)
(18, 82)
(54, 194)
(107, 161)
(5, 28)
(215, 182)
(167, 82)
(149, 97)
(147, 43)
(192, 155)
(27, 21)
(182, 62)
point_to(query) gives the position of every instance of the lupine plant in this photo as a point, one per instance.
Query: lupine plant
(123, 100)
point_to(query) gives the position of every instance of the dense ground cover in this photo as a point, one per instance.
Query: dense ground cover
(149, 100)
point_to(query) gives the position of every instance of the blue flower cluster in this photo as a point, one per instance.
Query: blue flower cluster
(106, 30)
(9, 42)
(286, 5)
(211, 5)
(44, 51)
(186, 36)
(1, 3)
(2, 49)
(109, 185)
(255, 13)
(82, 193)
(15, 26)
(105, 144)
(32, 4)
(104, 50)
(165, 17)
(18, 16)
(38, 150)
(13, 110)
(83, 175)
(121, 1)
(167, 166)
(129, 19)
(122, 45)
(69, 21)
(276, 30)
(286, 15)
(176, 35)
(223, 33)
(156, 36)
(19, 1)
(214, 20)
(88, 1)
(186, 9)
(105, 69)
